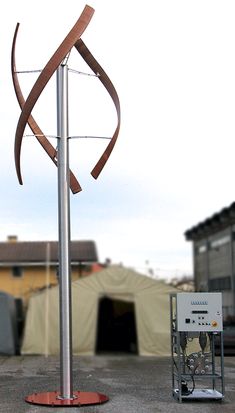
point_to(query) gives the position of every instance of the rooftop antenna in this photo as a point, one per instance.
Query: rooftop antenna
(58, 63)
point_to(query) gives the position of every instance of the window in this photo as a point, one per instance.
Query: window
(201, 249)
(220, 284)
(17, 271)
(220, 241)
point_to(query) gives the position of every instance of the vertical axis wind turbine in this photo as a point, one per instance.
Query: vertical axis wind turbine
(66, 179)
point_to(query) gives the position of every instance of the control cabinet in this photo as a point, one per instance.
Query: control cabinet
(196, 326)
(199, 312)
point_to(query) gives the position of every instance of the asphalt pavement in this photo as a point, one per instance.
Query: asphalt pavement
(133, 384)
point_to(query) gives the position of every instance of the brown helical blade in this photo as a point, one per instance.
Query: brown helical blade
(103, 77)
(45, 76)
(50, 150)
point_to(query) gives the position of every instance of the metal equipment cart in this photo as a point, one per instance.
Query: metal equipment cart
(196, 321)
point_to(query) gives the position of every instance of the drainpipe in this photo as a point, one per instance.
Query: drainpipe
(232, 270)
(207, 264)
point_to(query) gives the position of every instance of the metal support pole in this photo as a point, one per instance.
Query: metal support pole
(66, 396)
(66, 385)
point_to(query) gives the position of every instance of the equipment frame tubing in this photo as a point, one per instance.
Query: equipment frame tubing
(222, 361)
(213, 361)
(172, 344)
(66, 384)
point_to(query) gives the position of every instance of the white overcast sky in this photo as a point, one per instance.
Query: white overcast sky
(173, 65)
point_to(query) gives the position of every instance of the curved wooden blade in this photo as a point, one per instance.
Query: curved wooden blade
(103, 77)
(50, 150)
(45, 76)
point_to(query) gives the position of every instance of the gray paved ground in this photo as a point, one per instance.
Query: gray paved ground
(134, 384)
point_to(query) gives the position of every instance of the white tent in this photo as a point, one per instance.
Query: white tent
(151, 302)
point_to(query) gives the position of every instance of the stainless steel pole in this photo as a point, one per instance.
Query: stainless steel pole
(66, 385)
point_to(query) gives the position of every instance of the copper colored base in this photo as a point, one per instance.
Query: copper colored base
(80, 398)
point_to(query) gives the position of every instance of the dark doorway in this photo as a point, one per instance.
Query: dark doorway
(116, 329)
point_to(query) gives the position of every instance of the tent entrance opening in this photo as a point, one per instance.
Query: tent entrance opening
(116, 329)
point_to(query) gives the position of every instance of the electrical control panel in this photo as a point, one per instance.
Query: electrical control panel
(199, 312)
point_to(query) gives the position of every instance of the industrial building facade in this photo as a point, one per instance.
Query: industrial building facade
(214, 256)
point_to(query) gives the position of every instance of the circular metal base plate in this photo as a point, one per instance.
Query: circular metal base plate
(80, 398)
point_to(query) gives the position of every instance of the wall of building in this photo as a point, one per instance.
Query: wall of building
(201, 265)
(214, 266)
(30, 280)
(22, 284)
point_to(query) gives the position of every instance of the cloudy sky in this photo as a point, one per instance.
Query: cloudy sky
(173, 65)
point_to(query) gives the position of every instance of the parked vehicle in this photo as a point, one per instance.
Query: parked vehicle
(228, 340)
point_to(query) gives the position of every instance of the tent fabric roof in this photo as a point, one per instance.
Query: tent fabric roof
(152, 311)
(36, 251)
